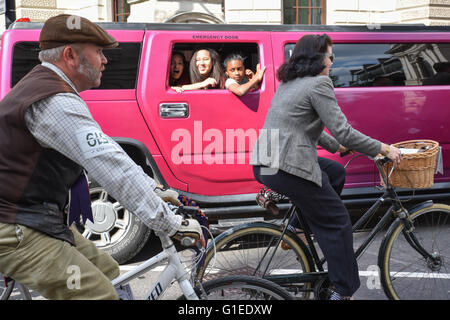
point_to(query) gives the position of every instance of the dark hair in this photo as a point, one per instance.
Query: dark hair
(178, 53)
(306, 59)
(231, 57)
(184, 78)
(216, 68)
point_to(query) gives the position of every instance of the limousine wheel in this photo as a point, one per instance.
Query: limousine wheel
(115, 229)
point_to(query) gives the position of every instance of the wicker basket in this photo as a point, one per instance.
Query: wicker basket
(415, 170)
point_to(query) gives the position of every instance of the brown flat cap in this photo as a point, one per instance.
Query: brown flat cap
(64, 28)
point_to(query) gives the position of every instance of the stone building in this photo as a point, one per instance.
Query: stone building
(338, 12)
(331, 12)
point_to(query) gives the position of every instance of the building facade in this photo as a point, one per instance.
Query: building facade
(331, 12)
(338, 12)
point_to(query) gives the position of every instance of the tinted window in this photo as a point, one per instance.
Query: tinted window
(122, 68)
(120, 73)
(364, 65)
(25, 57)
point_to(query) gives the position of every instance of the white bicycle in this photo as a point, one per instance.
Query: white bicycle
(239, 287)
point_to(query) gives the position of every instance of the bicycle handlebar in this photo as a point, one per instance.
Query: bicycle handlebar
(189, 212)
(343, 154)
(382, 160)
(379, 161)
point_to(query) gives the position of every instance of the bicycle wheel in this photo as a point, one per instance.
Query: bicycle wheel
(242, 288)
(6, 287)
(405, 273)
(247, 250)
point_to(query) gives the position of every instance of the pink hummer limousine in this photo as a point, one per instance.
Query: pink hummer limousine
(392, 82)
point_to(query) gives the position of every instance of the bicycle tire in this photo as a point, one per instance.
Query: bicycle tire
(5, 290)
(241, 287)
(405, 274)
(239, 250)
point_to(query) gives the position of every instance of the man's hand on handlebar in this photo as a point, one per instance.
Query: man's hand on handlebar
(189, 233)
(167, 195)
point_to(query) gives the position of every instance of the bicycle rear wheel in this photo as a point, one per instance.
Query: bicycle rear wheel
(242, 288)
(405, 273)
(254, 249)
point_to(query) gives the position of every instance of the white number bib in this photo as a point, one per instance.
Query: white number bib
(93, 142)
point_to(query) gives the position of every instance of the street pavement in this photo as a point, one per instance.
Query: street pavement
(370, 288)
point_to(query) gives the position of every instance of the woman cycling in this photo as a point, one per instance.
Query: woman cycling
(302, 106)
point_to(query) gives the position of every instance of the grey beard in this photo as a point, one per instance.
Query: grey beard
(86, 68)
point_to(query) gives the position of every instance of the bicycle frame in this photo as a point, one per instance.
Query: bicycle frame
(396, 210)
(173, 270)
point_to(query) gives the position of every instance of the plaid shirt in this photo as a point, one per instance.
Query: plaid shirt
(57, 122)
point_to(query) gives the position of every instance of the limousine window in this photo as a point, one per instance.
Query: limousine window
(120, 72)
(400, 64)
(249, 51)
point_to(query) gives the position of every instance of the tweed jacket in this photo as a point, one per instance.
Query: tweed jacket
(294, 126)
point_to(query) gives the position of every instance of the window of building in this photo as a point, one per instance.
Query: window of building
(304, 11)
(121, 10)
(388, 64)
(120, 72)
(249, 51)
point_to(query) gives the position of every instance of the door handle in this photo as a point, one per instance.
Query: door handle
(174, 110)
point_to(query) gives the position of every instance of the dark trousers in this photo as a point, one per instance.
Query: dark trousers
(327, 217)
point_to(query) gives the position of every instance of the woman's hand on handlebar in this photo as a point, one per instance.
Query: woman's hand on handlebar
(392, 153)
(343, 151)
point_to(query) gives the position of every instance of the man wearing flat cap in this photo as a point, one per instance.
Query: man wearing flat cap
(47, 133)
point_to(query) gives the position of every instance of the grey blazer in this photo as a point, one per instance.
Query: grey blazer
(294, 126)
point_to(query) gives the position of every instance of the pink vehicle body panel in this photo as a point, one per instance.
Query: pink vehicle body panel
(390, 114)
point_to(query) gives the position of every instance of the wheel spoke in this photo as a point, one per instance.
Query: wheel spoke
(117, 206)
(106, 238)
(87, 233)
(408, 274)
(120, 224)
(103, 196)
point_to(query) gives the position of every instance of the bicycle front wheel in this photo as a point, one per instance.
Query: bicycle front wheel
(407, 274)
(242, 288)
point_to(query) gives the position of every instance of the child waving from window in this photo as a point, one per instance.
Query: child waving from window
(241, 80)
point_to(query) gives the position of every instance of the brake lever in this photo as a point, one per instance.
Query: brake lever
(384, 160)
(186, 211)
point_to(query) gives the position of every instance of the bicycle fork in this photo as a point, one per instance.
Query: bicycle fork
(433, 260)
